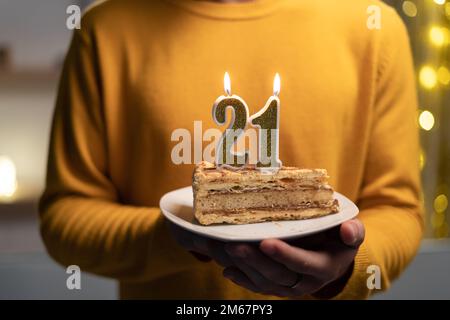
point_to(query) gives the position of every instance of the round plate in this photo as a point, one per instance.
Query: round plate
(177, 206)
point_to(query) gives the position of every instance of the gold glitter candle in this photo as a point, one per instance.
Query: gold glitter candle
(268, 122)
(224, 150)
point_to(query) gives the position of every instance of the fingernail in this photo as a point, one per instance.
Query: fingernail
(355, 232)
(359, 233)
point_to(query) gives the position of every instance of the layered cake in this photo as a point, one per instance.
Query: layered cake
(249, 196)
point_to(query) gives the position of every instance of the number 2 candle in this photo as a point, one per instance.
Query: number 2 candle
(224, 150)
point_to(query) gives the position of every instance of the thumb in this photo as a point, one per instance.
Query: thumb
(352, 233)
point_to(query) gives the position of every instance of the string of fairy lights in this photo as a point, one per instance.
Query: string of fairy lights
(428, 22)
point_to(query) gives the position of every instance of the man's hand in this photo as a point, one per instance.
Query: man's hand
(320, 264)
(202, 248)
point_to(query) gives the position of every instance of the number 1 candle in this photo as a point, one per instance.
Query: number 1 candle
(268, 122)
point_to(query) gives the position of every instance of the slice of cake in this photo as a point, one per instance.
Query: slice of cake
(248, 196)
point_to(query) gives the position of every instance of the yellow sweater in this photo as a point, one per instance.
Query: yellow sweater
(139, 69)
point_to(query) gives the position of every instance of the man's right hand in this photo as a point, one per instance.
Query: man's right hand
(202, 248)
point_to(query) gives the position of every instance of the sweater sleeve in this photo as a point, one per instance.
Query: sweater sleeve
(81, 219)
(389, 199)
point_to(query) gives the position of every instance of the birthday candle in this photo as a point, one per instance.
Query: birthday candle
(224, 150)
(268, 122)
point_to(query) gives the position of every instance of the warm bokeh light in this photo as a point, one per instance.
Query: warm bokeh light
(426, 120)
(437, 219)
(439, 1)
(428, 77)
(438, 36)
(443, 75)
(441, 203)
(422, 159)
(8, 181)
(409, 8)
(447, 9)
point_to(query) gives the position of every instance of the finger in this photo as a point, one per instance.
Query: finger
(268, 268)
(201, 245)
(200, 257)
(309, 242)
(239, 278)
(187, 240)
(352, 233)
(297, 259)
(216, 250)
(265, 286)
(254, 280)
(211, 248)
(307, 285)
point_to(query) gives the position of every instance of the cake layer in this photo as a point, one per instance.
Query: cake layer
(208, 177)
(280, 185)
(264, 198)
(254, 216)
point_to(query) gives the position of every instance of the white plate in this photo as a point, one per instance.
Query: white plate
(177, 206)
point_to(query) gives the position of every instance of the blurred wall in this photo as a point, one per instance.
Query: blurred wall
(26, 104)
(35, 31)
(36, 36)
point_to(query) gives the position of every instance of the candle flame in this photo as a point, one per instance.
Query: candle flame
(276, 85)
(227, 83)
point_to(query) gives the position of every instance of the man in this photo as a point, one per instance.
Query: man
(137, 70)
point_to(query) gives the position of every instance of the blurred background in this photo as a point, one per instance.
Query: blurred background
(33, 42)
